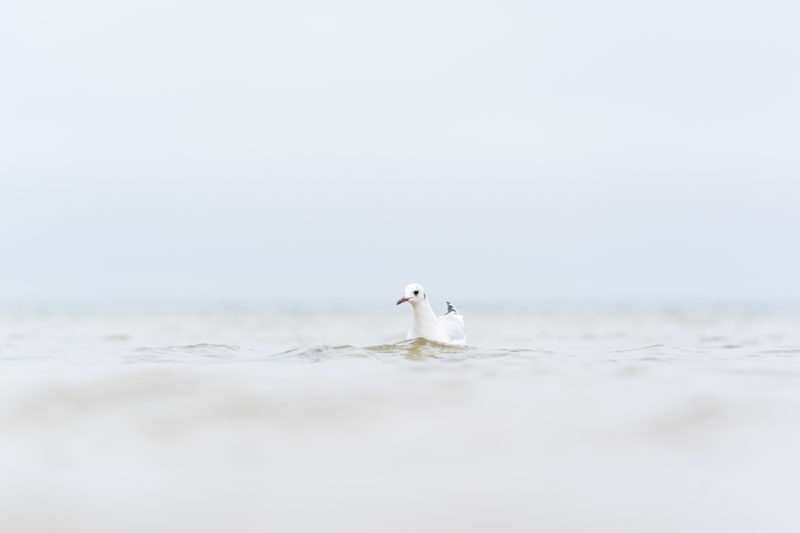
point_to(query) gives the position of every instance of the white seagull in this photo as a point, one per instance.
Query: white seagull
(448, 328)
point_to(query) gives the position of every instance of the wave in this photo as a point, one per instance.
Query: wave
(414, 350)
(183, 353)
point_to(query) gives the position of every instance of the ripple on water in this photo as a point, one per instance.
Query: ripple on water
(413, 350)
(171, 354)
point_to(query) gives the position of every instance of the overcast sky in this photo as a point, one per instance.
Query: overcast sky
(323, 152)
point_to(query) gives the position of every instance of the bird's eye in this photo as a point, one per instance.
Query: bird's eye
(416, 293)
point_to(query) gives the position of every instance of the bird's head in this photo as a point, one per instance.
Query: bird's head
(414, 293)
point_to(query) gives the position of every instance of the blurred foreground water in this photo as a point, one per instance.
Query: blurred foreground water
(290, 421)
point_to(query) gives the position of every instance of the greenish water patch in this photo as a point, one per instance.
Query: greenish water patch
(413, 350)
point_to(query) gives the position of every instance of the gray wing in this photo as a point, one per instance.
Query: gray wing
(453, 325)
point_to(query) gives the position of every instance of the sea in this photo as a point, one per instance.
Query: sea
(323, 420)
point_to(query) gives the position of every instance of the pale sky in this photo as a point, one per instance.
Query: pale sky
(324, 152)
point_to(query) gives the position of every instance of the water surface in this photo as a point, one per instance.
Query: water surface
(311, 421)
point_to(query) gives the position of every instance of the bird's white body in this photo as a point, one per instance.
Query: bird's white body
(448, 328)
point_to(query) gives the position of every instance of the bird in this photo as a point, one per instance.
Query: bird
(447, 329)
